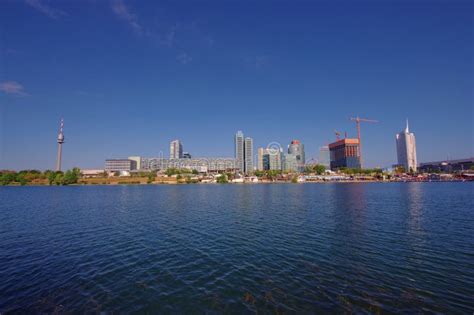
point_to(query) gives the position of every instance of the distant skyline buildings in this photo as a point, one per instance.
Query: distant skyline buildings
(406, 149)
(296, 148)
(243, 152)
(239, 150)
(260, 155)
(176, 149)
(248, 155)
(242, 67)
(324, 156)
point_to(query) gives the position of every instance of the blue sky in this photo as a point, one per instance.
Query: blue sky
(130, 76)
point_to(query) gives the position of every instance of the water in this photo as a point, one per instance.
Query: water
(291, 248)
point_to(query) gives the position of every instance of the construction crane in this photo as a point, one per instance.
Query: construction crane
(358, 120)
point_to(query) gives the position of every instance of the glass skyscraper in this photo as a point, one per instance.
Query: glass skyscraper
(239, 150)
(248, 154)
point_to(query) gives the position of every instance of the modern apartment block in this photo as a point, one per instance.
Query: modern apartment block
(117, 165)
(200, 164)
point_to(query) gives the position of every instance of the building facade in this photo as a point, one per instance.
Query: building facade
(448, 166)
(324, 157)
(344, 153)
(176, 149)
(406, 149)
(138, 161)
(117, 165)
(296, 148)
(260, 158)
(290, 163)
(203, 165)
(269, 159)
(239, 150)
(248, 156)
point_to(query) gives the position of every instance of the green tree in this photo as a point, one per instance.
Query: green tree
(21, 178)
(58, 179)
(195, 172)
(222, 179)
(319, 169)
(172, 171)
(259, 173)
(51, 177)
(151, 177)
(7, 178)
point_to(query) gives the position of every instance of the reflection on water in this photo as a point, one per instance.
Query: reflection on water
(299, 248)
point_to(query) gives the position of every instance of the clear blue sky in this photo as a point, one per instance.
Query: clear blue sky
(130, 76)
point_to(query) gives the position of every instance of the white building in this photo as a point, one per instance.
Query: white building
(176, 150)
(406, 150)
(138, 160)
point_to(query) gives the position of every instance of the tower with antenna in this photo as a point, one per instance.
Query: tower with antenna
(60, 145)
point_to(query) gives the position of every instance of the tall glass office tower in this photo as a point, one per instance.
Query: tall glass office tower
(239, 150)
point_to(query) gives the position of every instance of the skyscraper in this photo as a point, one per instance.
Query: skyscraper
(248, 155)
(176, 150)
(275, 159)
(289, 163)
(296, 148)
(269, 159)
(406, 149)
(60, 146)
(239, 150)
(260, 157)
(324, 156)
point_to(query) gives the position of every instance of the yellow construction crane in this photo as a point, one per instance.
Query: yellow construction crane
(358, 120)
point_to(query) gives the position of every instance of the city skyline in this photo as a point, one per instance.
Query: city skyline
(120, 82)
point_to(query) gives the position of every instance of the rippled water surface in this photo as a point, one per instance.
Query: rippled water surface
(287, 248)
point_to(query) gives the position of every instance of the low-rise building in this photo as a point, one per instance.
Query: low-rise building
(448, 166)
(117, 165)
(92, 173)
(202, 165)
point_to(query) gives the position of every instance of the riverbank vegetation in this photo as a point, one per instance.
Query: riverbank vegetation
(35, 177)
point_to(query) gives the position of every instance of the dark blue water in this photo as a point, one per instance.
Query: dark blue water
(291, 248)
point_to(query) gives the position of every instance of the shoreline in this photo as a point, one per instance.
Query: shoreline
(250, 183)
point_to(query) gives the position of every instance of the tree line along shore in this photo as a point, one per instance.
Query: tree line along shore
(314, 173)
